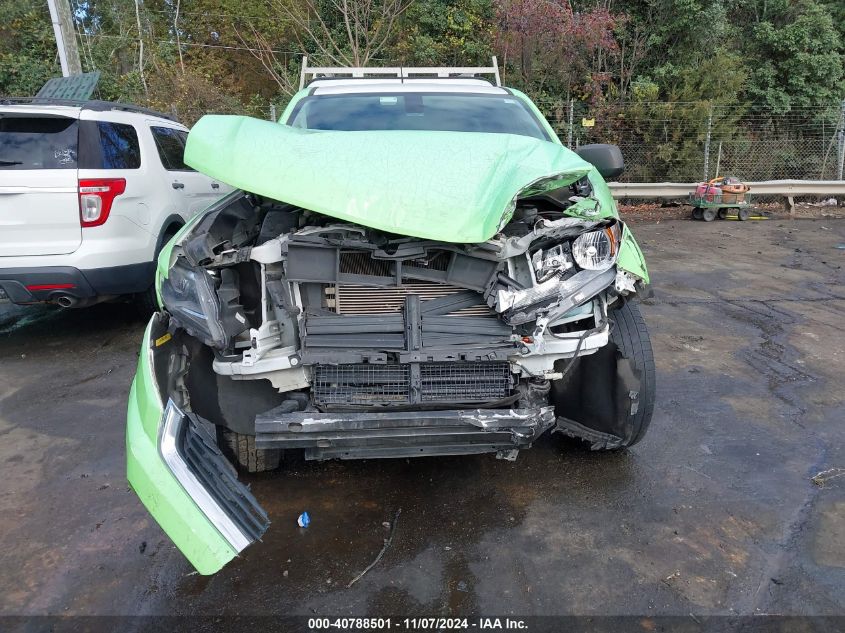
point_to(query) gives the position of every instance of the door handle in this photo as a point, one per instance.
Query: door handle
(215, 185)
(178, 185)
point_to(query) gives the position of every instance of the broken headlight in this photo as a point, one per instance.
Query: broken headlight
(189, 295)
(597, 250)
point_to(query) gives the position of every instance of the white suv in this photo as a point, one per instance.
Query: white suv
(89, 193)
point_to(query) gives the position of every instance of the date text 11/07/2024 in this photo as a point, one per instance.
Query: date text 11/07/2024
(435, 624)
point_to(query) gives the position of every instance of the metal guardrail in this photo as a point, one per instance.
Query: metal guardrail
(785, 188)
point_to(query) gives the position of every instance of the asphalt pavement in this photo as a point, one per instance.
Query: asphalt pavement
(734, 503)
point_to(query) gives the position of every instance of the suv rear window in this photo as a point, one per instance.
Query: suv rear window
(38, 142)
(107, 145)
(170, 143)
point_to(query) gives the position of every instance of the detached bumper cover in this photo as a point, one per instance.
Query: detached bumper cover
(182, 479)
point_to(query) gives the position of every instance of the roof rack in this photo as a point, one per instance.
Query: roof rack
(88, 104)
(395, 72)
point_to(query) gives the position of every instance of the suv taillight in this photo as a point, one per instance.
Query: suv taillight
(95, 199)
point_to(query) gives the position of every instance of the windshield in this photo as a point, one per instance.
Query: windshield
(418, 111)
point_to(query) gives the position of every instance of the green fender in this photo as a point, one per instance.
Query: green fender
(631, 257)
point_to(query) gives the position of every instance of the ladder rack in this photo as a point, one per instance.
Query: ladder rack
(395, 72)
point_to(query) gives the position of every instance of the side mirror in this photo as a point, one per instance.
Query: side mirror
(606, 158)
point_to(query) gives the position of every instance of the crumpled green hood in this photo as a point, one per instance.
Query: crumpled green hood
(446, 186)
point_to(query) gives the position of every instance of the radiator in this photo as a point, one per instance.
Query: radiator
(351, 299)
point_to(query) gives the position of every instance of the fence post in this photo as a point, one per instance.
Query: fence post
(571, 123)
(272, 111)
(841, 142)
(718, 160)
(707, 143)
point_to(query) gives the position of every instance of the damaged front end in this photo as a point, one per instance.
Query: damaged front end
(381, 345)
(293, 327)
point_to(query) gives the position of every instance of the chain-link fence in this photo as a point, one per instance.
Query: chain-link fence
(691, 141)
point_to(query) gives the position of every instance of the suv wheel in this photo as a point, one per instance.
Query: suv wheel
(241, 450)
(147, 301)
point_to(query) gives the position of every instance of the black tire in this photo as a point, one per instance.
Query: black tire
(242, 451)
(696, 214)
(147, 301)
(743, 214)
(708, 215)
(592, 402)
(630, 334)
(723, 213)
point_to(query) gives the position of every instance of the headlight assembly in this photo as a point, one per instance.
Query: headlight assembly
(189, 295)
(597, 250)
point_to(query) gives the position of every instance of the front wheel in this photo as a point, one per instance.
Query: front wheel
(607, 399)
(241, 449)
(630, 334)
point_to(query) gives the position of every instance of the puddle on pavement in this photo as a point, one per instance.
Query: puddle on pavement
(448, 504)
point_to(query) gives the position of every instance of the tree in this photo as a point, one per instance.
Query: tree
(446, 33)
(338, 32)
(553, 48)
(668, 41)
(28, 55)
(797, 58)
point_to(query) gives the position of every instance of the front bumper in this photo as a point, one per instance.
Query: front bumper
(184, 482)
